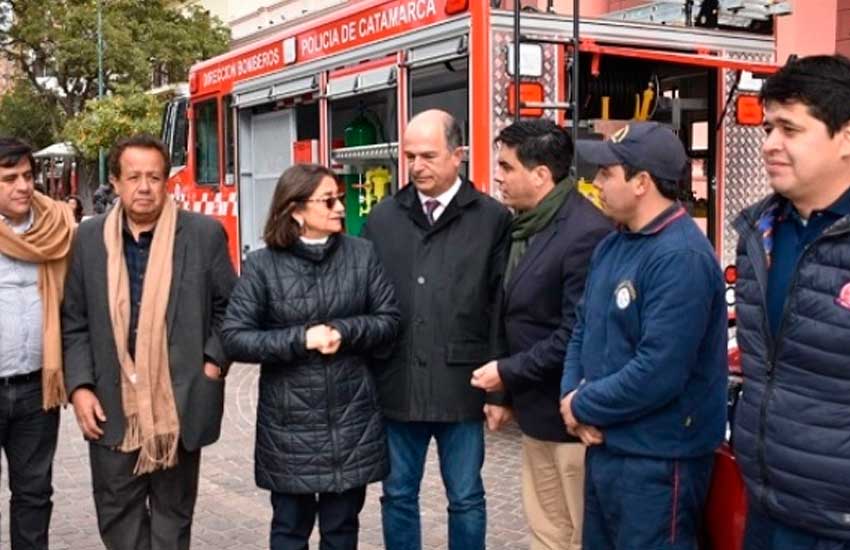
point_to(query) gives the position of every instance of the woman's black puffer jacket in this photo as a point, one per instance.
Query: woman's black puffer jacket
(319, 426)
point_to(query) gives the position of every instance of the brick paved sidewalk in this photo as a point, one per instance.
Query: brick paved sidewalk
(232, 513)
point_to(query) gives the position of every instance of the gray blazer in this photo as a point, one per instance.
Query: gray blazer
(200, 288)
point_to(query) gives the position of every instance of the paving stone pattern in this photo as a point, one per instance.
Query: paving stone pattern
(232, 513)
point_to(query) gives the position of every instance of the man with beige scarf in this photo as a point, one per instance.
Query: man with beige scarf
(35, 238)
(146, 292)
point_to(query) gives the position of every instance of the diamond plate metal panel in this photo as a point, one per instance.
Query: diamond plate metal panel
(744, 177)
(501, 81)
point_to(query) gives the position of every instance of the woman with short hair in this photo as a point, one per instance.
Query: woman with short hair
(312, 308)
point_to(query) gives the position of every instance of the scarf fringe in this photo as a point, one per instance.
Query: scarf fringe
(132, 435)
(53, 389)
(163, 446)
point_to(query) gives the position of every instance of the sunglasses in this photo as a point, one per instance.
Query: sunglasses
(330, 201)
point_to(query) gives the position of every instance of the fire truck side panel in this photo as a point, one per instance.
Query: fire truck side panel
(265, 151)
(472, 45)
(744, 178)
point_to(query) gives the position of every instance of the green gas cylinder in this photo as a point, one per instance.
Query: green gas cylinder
(359, 132)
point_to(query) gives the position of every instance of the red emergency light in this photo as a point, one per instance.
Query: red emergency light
(748, 110)
(531, 92)
(456, 6)
(730, 274)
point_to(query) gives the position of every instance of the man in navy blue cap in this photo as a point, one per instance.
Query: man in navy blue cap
(644, 379)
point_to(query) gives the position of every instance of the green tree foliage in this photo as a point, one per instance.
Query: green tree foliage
(25, 114)
(105, 121)
(54, 45)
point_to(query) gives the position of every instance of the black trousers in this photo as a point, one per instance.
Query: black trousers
(146, 512)
(295, 515)
(28, 437)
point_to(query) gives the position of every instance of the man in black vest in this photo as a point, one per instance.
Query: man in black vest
(552, 238)
(793, 310)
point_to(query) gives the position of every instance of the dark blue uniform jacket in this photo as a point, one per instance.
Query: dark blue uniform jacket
(648, 353)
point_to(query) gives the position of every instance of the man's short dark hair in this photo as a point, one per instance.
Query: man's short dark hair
(821, 82)
(12, 150)
(540, 142)
(141, 141)
(669, 189)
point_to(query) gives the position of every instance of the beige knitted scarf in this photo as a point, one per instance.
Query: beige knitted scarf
(152, 426)
(47, 243)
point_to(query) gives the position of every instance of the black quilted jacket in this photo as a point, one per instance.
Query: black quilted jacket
(792, 427)
(319, 427)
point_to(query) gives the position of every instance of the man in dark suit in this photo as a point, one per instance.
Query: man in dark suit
(443, 245)
(552, 238)
(145, 295)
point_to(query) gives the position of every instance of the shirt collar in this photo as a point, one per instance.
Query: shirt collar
(125, 229)
(446, 197)
(21, 227)
(308, 241)
(841, 207)
(838, 209)
(661, 221)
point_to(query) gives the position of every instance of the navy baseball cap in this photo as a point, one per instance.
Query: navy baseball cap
(646, 146)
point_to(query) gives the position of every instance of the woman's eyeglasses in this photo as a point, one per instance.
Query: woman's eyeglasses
(330, 201)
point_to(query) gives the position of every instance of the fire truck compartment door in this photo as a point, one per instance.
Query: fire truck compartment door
(253, 93)
(363, 82)
(266, 151)
(436, 52)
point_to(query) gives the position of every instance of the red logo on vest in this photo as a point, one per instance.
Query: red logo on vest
(844, 297)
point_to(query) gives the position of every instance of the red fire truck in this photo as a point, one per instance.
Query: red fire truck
(338, 89)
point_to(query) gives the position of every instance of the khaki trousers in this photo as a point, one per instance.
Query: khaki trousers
(553, 493)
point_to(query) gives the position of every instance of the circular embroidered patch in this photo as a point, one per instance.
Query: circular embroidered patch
(624, 294)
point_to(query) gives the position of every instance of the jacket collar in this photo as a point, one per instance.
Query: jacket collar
(764, 212)
(661, 221)
(408, 198)
(316, 253)
(749, 217)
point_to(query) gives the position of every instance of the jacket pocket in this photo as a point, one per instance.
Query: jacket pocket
(468, 352)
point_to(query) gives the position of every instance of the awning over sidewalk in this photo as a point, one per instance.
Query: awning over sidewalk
(62, 149)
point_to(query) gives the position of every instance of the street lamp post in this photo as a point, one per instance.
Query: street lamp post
(100, 157)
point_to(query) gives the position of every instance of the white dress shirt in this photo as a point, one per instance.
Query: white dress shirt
(444, 200)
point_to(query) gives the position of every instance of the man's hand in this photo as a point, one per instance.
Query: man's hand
(487, 378)
(497, 416)
(89, 412)
(212, 371)
(589, 435)
(567, 413)
(324, 339)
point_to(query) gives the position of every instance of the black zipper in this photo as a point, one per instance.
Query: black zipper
(838, 228)
(329, 388)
